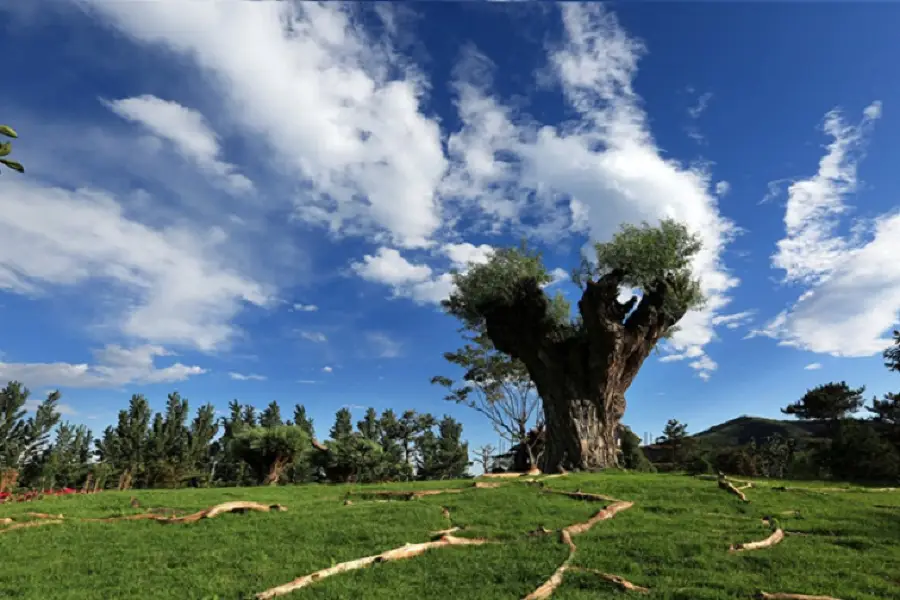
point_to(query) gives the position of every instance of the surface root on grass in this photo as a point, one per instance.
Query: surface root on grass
(402, 495)
(38, 515)
(30, 524)
(729, 487)
(783, 596)
(773, 539)
(546, 589)
(614, 579)
(579, 495)
(404, 552)
(214, 511)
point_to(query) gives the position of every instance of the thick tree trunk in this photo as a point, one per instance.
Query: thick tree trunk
(275, 471)
(581, 373)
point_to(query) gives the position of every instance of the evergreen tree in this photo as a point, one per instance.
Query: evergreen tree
(370, 427)
(343, 425)
(830, 402)
(304, 422)
(6, 148)
(248, 416)
(270, 451)
(271, 416)
(633, 458)
(443, 456)
(673, 437)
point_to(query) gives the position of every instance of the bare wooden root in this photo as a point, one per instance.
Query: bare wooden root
(579, 495)
(38, 515)
(28, 524)
(783, 596)
(5, 521)
(614, 579)
(729, 487)
(404, 552)
(546, 589)
(506, 475)
(209, 513)
(403, 495)
(773, 539)
(486, 484)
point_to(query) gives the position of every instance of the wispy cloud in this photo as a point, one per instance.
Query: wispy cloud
(813, 366)
(327, 369)
(314, 336)
(837, 271)
(384, 345)
(114, 366)
(249, 377)
(304, 307)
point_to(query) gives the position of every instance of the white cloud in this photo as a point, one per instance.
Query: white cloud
(338, 108)
(409, 280)
(813, 366)
(341, 111)
(558, 275)
(810, 250)
(250, 377)
(464, 254)
(702, 104)
(307, 381)
(852, 296)
(733, 321)
(187, 130)
(722, 188)
(588, 176)
(114, 366)
(389, 267)
(172, 285)
(384, 345)
(304, 307)
(327, 369)
(314, 336)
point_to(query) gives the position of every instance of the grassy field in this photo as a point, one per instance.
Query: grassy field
(674, 540)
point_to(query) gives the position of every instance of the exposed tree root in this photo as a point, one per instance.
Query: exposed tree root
(729, 487)
(547, 588)
(615, 579)
(38, 515)
(486, 484)
(824, 490)
(209, 513)
(402, 495)
(783, 596)
(30, 524)
(747, 485)
(507, 475)
(773, 539)
(444, 532)
(404, 552)
(579, 495)
(5, 521)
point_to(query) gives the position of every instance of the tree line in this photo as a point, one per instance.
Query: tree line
(849, 447)
(169, 449)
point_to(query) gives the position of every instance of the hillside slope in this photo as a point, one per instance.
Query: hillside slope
(744, 429)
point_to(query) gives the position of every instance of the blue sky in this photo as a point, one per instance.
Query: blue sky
(262, 200)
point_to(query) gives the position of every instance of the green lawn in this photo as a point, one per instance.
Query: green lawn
(674, 541)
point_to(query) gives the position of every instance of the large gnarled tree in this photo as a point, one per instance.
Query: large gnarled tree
(582, 367)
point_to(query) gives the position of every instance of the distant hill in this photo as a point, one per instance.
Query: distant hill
(744, 429)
